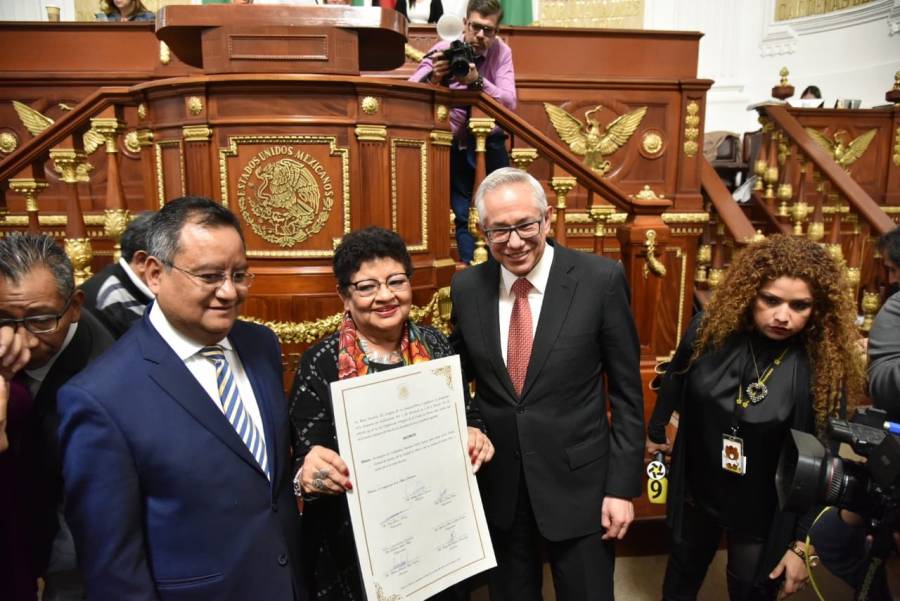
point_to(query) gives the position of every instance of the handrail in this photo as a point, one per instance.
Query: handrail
(846, 185)
(29, 152)
(564, 157)
(736, 222)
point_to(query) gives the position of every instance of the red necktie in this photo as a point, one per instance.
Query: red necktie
(518, 350)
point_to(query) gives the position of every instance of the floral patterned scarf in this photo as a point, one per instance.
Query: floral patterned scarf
(352, 361)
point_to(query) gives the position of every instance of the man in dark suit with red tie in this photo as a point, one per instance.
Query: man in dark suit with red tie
(548, 337)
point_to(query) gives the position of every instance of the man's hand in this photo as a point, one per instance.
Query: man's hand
(324, 473)
(617, 515)
(469, 77)
(4, 404)
(480, 448)
(795, 574)
(440, 69)
(652, 448)
(15, 350)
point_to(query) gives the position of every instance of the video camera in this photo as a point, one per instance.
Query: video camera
(808, 474)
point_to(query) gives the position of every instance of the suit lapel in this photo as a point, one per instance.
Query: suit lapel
(170, 374)
(554, 309)
(488, 291)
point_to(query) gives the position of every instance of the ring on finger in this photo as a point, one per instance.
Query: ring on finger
(321, 474)
(318, 484)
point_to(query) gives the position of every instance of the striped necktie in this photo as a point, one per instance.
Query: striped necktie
(230, 397)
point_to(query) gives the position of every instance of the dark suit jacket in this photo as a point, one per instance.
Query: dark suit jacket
(557, 434)
(163, 497)
(30, 472)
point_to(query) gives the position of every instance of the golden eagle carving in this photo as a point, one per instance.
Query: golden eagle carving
(35, 123)
(591, 139)
(843, 154)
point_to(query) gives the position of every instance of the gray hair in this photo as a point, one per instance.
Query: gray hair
(505, 177)
(21, 253)
(166, 225)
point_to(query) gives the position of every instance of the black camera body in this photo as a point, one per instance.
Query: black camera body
(459, 55)
(808, 474)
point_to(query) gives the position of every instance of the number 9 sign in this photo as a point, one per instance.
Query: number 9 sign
(657, 483)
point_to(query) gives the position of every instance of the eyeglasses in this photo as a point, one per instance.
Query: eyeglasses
(525, 231)
(368, 288)
(39, 324)
(487, 30)
(215, 279)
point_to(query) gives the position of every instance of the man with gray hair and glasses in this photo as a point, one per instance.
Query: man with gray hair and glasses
(38, 295)
(175, 444)
(548, 336)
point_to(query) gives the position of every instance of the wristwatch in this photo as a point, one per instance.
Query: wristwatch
(478, 84)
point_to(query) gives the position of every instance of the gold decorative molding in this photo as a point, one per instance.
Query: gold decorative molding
(562, 185)
(142, 111)
(591, 139)
(371, 133)
(370, 105)
(423, 185)
(333, 149)
(652, 143)
(8, 142)
(161, 171)
(30, 188)
(67, 162)
(605, 14)
(196, 133)
(691, 129)
(114, 223)
(79, 252)
(441, 113)
(896, 156)
(653, 264)
(91, 220)
(869, 305)
(785, 10)
(108, 130)
(165, 55)
(681, 218)
(646, 193)
(131, 142)
(195, 105)
(413, 54)
(522, 158)
(480, 128)
(441, 138)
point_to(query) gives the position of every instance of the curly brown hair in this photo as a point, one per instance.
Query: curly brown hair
(830, 334)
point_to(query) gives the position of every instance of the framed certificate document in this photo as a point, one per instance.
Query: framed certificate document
(417, 516)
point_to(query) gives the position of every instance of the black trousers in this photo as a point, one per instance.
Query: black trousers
(690, 559)
(582, 568)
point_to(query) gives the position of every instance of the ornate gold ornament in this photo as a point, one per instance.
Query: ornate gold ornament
(79, 252)
(653, 264)
(441, 138)
(523, 157)
(196, 133)
(413, 54)
(843, 154)
(114, 223)
(131, 142)
(562, 185)
(682, 218)
(142, 111)
(29, 188)
(423, 187)
(68, 162)
(441, 113)
(591, 139)
(647, 193)
(371, 133)
(195, 105)
(36, 123)
(370, 105)
(104, 131)
(165, 55)
(285, 194)
(691, 129)
(652, 143)
(8, 142)
(869, 305)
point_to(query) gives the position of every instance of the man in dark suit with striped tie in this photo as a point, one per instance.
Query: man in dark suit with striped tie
(175, 443)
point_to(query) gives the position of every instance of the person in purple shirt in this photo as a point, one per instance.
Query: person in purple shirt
(491, 72)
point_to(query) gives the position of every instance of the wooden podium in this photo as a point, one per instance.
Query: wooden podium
(338, 40)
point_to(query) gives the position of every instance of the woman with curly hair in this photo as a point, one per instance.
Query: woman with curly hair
(775, 350)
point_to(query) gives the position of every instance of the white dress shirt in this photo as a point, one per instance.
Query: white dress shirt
(538, 277)
(204, 370)
(135, 278)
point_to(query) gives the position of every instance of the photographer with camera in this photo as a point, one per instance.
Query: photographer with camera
(774, 350)
(480, 60)
(843, 537)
